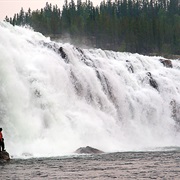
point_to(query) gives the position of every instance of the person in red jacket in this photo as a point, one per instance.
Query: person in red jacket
(1, 140)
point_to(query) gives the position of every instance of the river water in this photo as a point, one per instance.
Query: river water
(121, 165)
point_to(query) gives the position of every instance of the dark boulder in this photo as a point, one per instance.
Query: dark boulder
(88, 150)
(166, 63)
(4, 156)
(63, 54)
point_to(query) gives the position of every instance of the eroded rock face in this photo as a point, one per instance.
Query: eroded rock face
(166, 63)
(88, 150)
(4, 156)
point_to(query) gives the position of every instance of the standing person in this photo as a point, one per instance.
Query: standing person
(1, 140)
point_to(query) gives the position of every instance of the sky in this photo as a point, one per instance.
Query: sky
(11, 7)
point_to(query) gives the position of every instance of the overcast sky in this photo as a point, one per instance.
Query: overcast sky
(11, 7)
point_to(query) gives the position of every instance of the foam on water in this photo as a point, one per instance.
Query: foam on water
(51, 106)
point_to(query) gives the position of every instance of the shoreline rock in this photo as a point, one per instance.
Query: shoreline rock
(88, 150)
(4, 156)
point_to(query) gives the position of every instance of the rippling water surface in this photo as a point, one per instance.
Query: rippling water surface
(126, 165)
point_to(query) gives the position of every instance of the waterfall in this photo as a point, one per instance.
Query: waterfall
(55, 97)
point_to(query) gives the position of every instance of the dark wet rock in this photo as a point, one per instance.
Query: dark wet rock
(166, 63)
(63, 54)
(77, 84)
(152, 82)
(55, 48)
(37, 93)
(4, 156)
(80, 50)
(86, 60)
(88, 150)
(129, 66)
(51, 46)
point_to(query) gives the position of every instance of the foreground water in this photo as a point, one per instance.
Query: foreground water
(124, 165)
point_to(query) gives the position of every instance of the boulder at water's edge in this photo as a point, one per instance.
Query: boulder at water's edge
(4, 156)
(88, 150)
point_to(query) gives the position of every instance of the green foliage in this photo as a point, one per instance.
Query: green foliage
(143, 26)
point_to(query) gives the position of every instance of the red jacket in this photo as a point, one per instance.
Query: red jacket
(1, 136)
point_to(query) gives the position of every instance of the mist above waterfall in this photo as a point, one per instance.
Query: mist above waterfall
(54, 101)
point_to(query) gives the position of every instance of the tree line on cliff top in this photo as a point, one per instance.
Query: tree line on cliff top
(142, 26)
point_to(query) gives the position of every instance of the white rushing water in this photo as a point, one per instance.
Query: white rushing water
(51, 106)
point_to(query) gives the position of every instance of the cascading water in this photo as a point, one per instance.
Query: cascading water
(53, 101)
